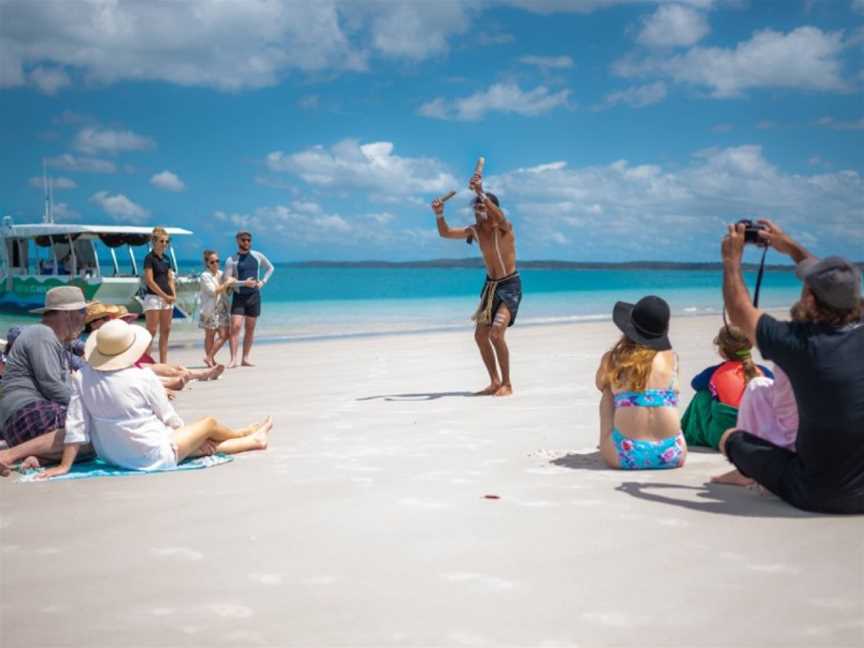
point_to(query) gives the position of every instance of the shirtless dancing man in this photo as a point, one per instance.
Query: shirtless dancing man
(502, 292)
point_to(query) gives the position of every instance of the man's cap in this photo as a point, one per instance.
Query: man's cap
(62, 298)
(243, 233)
(835, 281)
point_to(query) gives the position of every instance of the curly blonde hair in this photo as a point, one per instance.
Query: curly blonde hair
(629, 364)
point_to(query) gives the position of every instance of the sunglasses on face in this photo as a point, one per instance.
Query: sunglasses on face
(212, 261)
(165, 241)
(245, 240)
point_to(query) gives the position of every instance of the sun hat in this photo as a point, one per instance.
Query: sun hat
(62, 298)
(645, 322)
(97, 310)
(834, 281)
(116, 345)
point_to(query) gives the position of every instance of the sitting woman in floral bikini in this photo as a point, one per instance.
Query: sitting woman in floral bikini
(639, 421)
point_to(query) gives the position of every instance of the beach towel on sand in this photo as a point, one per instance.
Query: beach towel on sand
(99, 468)
(706, 419)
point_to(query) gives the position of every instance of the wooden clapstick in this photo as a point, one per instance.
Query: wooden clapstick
(478, 168)
(446, 196)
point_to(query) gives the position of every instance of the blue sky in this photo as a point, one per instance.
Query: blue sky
(613, 129)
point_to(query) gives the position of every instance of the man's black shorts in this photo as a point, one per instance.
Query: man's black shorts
(248, 304)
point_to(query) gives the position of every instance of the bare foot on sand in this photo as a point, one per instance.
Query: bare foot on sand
(216, 372)
(732, 478)
(208, 362)
(246, 363)
(254, 427)
(233, 364)
(504, 390)
(491, 389)
(262, 434)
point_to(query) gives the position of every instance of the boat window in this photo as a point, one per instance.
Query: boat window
(88, 266)
(16, 251)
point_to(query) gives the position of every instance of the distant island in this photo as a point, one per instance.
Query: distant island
(474, 262)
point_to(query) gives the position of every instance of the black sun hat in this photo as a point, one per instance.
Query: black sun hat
(645, 322)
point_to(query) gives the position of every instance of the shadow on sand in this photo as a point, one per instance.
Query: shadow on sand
(715, 498)
(417, 397)
(587, 461)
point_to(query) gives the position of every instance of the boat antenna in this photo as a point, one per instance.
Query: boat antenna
(48, 184)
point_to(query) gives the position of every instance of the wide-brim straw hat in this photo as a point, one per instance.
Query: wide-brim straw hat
(62, 298)
(646, 322)
(116, 345)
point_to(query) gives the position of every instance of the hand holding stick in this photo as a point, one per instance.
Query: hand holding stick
(438, 203)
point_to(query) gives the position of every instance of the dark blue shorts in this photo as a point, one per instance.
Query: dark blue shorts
(246, 304)
(509, 292)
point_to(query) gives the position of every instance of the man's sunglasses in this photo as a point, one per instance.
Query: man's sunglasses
(212, 261)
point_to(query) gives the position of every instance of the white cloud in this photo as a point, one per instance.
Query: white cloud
(588, 6)
(673, 26)
(417, 30)
(227, 45)
(49, 79)
(119, 207)
(56, 183)
(301, 224)
(69, 162)
(168, 181)
(309, 102)
(638, 96)
(105, 140)
(62, 212)
(852, 124)
(373, 167)
(548, 62)
(609, 205)
(499, 97)
(805, 58)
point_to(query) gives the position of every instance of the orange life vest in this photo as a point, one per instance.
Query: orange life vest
(728, 382)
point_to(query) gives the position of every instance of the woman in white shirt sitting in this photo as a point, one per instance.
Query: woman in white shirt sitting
(124, 412)
(213, 314)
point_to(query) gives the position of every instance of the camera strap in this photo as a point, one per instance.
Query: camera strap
(759, 278)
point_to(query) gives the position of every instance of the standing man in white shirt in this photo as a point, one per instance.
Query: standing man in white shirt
(251, 270)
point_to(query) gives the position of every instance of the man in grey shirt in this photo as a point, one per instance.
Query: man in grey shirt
(35, 383)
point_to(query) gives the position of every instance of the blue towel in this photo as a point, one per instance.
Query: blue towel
(99, 468)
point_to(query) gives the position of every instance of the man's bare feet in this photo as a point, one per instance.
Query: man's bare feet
(491, 389)
(261, 436)
(246, 363)
(233, 364)
(209, 361)
(504, 390)
(732, 478)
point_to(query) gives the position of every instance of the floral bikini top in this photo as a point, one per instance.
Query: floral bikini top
(650, 397)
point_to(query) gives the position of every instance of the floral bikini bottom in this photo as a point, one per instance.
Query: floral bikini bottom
(639, 454)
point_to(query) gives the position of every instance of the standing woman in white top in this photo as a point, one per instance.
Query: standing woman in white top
(213, 303)
(124, 411)
(160, 290)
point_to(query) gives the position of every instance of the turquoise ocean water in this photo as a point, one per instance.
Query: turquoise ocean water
(302, 303)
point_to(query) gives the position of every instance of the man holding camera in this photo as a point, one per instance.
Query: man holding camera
(502, 292)
(823, 358)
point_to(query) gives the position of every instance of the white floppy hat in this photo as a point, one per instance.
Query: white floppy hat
(116, 345)
(63, 298)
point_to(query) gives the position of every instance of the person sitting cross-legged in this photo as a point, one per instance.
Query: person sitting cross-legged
(124, 412)
(822, 358)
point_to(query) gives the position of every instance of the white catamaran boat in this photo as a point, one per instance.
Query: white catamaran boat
(99, 259)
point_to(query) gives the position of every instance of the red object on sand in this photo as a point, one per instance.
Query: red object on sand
(491, 497)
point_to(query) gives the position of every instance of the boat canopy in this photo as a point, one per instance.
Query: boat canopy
(113, 236)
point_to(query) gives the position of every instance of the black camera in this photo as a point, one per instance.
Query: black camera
(751, 232)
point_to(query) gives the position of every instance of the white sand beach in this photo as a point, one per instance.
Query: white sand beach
(366, 523)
